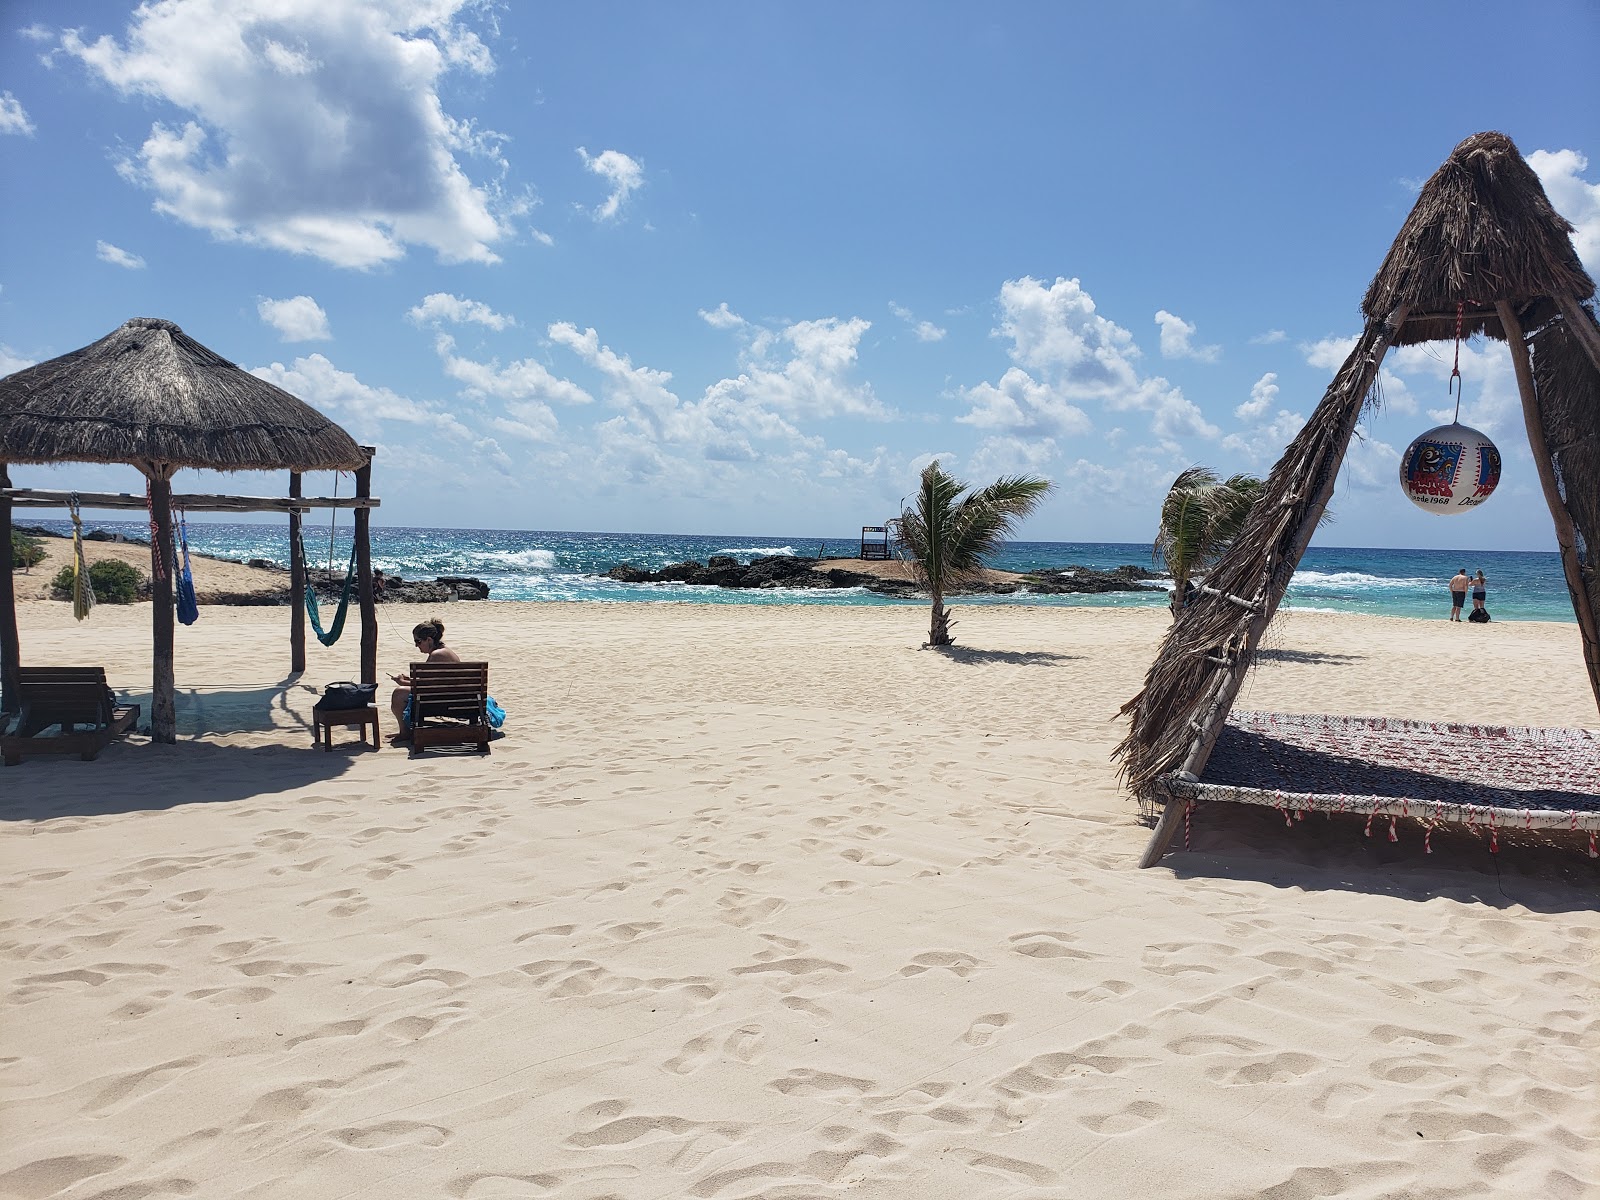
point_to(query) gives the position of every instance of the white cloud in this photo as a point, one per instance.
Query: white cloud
(298, 319)
(1561, 172)
(1177, 339)
(315, 128)
(926, 331)
(1270, 338)
(722, 317)
(523, 381)
(624, 174)
(323, 386)
(13, 117)
(1263, 443)
(1329, 353)
(11, 362)
(117, 256)
(442, 306)
(804, 371)
(1082, 357)
(1021, 405)
(1263, 395)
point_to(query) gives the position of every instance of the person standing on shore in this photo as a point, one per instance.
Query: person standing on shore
(1458, 593)
(1480, 591)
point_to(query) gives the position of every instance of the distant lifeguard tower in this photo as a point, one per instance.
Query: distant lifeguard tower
(875, 541)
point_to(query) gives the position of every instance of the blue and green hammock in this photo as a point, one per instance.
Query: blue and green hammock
(331, 635)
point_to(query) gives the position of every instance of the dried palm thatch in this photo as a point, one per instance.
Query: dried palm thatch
(1482, 230)
(149, 394)
(1483, 237)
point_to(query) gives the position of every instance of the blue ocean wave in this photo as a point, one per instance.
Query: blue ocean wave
(550, 566)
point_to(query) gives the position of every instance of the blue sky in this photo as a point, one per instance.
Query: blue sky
(745, 268)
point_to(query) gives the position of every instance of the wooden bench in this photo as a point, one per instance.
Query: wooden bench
(69, 697)
(449, 705)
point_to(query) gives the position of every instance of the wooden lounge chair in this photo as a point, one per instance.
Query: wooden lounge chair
(71, 697)
(449, 705)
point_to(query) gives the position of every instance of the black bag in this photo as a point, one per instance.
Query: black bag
(1478, 616)
(348, 695)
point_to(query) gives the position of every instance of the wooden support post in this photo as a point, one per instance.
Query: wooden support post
(1166, 829)
(297, 583)
(1358, 372)
(10, 649)
(163, 703)
(369, 611)
(1566, 534)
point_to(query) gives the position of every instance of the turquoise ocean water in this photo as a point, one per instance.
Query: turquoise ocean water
(539, 565)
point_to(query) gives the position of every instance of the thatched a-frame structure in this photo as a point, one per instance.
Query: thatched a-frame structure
(1483, 246)
(148, 395)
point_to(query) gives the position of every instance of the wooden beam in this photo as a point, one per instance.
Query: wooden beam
(10, 646)
(40, 498)
(297, 583)
(1566, 532)
(163, 704)
(369, 610)
(1374, 344)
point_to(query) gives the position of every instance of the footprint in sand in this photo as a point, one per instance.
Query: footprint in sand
(981, 1032)
(958, 964)
(1279, 1068)
(1047, 943)
(391, 1133)
(53, 1176)
(803, 1081)
(1128, 1119)
(691, 1057)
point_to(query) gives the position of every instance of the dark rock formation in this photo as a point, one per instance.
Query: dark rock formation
(783, 570)
(1084, 580)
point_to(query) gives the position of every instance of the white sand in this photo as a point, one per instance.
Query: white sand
(766, 902)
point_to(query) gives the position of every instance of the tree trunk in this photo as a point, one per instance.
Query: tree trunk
(939, 626)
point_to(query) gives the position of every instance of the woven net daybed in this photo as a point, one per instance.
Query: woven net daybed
(1491, 777)
(1482, 252)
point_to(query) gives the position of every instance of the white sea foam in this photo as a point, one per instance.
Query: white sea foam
(759, 551)
(527, 560)
(1348, 580)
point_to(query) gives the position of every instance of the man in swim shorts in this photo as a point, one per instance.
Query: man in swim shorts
(1459, 582)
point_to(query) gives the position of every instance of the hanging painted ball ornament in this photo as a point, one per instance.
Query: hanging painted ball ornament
(1450, 469)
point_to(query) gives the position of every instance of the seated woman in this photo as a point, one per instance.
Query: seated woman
(429, 637)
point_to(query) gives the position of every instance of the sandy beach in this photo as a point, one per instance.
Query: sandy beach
(768, 902)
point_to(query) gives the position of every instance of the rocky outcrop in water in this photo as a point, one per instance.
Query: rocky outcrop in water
(786, 571)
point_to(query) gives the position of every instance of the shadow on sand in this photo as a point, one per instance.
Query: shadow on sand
(1307, 656)
(1543, 870)
(135, 775)
(1021, 658)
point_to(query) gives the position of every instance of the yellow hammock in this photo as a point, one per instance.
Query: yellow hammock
(82, 589)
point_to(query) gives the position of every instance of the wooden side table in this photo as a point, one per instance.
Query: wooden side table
(323, 721)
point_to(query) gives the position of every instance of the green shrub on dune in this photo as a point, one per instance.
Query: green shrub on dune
(114, 582)
(26, 550)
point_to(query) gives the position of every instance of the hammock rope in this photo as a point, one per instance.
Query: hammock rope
(82, 587)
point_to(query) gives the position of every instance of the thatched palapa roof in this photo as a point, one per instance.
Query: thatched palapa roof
(149, 394)
(1484, 237)
(1482, 230)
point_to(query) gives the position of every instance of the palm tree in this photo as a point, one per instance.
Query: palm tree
(951, 535)
(1200, 518)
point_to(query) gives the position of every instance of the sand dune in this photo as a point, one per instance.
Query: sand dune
(768, 902)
